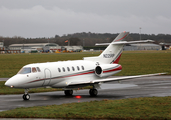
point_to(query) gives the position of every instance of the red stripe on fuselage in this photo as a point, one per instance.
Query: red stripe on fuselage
(62, 77)
(78, 74)
(116, 69)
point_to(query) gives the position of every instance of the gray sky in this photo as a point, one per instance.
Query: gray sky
(47, 18)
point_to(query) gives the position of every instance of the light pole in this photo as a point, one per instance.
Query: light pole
(48, 45)
(23, 44)
(83, 42)
(140, 33)
(3, 45)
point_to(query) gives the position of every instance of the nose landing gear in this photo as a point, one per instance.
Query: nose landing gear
(26, 96)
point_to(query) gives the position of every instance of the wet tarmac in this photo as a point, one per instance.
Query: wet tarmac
(159, 86)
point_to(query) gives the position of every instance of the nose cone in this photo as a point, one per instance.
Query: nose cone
(14, 81)
(9, 83)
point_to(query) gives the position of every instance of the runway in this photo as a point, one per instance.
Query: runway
(159, 86)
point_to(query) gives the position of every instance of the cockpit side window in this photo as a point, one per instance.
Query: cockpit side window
(38, 69)
(34, 69)
(25, 70)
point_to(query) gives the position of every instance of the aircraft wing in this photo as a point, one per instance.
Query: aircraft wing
(112, 79)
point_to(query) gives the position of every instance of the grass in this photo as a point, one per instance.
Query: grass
(133, 62)
(145, 62)
(129, 109)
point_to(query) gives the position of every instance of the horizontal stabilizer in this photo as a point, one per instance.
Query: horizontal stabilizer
(102, 44)
(125, 42)
(132, 42)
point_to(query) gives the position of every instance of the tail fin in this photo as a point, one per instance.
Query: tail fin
(121, 36)
(112, 53)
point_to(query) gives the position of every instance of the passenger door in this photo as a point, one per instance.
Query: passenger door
(47, 77)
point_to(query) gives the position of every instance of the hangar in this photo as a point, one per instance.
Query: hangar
(35, 47)
(43, 47)
(72, 48)
(142, 46)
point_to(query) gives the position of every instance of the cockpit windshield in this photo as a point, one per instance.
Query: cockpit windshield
(25, 70)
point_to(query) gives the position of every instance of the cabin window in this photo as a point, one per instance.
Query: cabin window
(63, 69)
(73, 68)
(38, 69)
(59, 70)
(34, 69)
(68, 68)
(25, 70)
(82, 67)
(78, 68)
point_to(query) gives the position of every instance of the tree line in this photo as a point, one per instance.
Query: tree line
(84, 39)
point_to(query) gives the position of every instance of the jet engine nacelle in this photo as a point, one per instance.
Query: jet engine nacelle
(107, 69)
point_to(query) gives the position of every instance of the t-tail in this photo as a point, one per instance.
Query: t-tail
(114, 50)
(112, 53)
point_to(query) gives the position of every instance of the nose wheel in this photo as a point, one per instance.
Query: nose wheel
(26, 96)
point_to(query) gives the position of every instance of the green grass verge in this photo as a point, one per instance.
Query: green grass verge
(133, 62)
(133, 108)
(145, 62)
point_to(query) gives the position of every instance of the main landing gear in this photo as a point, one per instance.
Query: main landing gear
(26, 96)
(93, 92)
(68, 92)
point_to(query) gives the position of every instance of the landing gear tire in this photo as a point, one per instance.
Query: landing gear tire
(26, 97)
(93, 92)
(68, 92)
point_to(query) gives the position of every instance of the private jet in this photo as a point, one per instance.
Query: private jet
(70, 75)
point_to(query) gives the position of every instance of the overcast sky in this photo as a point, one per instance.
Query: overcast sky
(47, 18)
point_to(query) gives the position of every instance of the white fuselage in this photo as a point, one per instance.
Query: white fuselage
(60, 74)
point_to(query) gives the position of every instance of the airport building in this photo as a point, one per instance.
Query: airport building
(142, 46)
(2, 48)
(72, 48)
(43, 47)
(35, 47)
(1, 44)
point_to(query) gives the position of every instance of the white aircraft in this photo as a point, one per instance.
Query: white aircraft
(69, 75)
